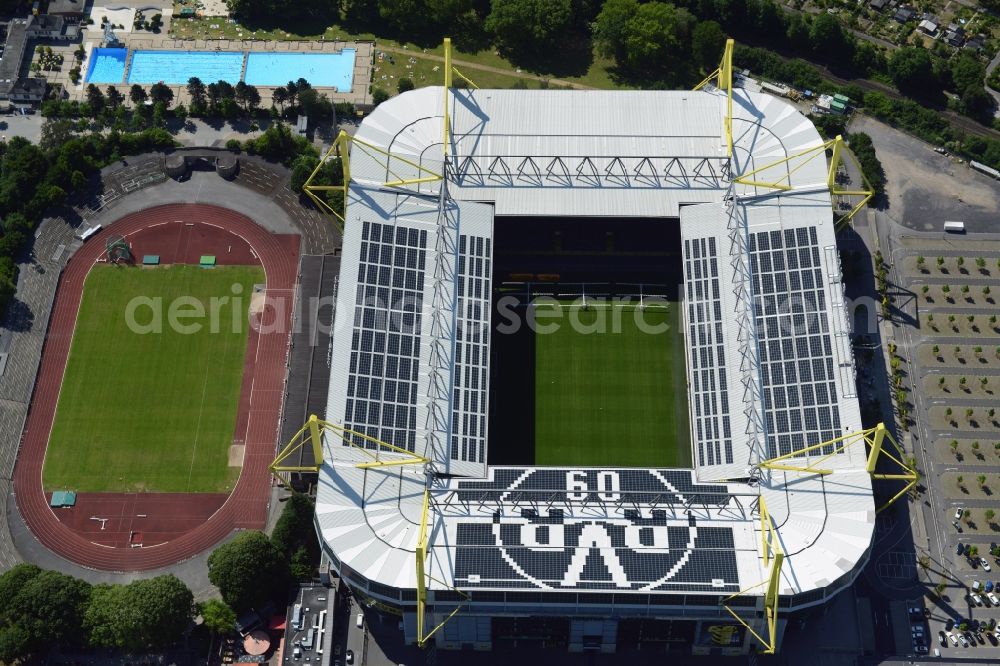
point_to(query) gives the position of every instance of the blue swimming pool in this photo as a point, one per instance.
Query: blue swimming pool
(179, 66)
(106, 66)
(327, 70)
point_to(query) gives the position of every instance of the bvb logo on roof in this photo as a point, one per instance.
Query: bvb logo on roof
(553, 551)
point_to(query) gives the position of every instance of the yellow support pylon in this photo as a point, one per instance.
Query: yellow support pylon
(311, 434)
(723, 76)
(875, 438)
(773, 556)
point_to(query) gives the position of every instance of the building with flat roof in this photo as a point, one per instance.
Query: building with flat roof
(592, 557)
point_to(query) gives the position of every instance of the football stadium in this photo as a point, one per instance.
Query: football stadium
(592, 381)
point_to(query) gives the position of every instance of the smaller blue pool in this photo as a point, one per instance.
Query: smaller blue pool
(179, 66)
(324, 70)
(106, 66)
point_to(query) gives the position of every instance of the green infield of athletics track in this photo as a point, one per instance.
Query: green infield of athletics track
(152, 411)
(616, 397)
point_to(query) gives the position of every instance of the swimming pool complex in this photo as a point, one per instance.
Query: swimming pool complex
(325, 70)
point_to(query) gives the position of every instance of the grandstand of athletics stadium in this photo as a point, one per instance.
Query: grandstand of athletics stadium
(592, 380)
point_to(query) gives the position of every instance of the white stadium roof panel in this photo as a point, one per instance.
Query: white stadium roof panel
(765, 376)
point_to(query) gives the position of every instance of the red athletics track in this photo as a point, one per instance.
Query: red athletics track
(167, 231)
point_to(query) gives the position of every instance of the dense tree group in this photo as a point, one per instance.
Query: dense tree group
(34, 178)
(40, 608)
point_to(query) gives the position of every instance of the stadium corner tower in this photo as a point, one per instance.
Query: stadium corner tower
(709, 559)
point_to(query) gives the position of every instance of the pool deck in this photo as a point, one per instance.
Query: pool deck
(363, 61)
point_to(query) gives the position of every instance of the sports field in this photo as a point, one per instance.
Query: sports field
(613, 398)
(152, 411)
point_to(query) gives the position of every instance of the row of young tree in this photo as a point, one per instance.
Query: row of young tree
(39, 609)
(221, 99)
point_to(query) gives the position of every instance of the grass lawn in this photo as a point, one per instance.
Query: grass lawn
(613, 398)
(154, 411)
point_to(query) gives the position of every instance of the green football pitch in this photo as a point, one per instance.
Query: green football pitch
(612, 398)
(152, 411)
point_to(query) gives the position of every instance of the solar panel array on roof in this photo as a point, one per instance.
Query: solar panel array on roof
(385, 343)
(471, 373)
(706, 344)
(558, 552)
(796, 358)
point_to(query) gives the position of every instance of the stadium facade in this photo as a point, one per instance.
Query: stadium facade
(583, 557)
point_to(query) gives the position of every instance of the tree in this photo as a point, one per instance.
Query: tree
(196, 89)
(530, 27)
(292, 90)
(981, 480)
(986, 291)
(912, 71)
(936, 349)
(940, 262)
(707, 43)
(975, 446)
(95, 98)
(960, 480)
(954, 445)
(247, 570)
(143, 615)
(656, 40)
(924, 289)
(378, 96)
(827, 37)
(990, 515)
(405, 84)
(137, 94)
(49, 607)
(609, 27)
(217, 616)
(960, 261)
(945, 289)
(293, 535)
(280, 97)
(981, 264)
(314, 104)
(115, 98)
(161, 94)
(920, 262)
(965, 289)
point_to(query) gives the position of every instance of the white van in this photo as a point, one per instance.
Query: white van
(954, 227)
(361, 620)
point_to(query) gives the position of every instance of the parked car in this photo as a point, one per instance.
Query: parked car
(920, 648)
(952, 637)
(989, 586)
(961, 549)
(985, 563)
(943, 638)
(976, 599)
(958, 526)
(962, 639)
(958, 513)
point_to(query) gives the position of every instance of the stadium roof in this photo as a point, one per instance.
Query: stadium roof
(769, 361)
(585, 153)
